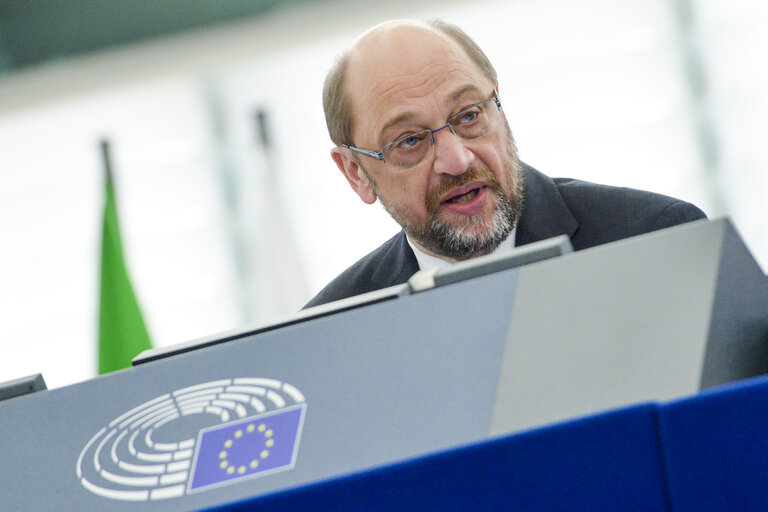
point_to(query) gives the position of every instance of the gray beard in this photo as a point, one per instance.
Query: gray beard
(461, 244)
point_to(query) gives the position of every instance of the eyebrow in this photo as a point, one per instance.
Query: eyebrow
(396, 120)
(461, 92)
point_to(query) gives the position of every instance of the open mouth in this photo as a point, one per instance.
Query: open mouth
(464, 198)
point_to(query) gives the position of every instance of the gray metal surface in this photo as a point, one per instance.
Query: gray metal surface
(632, 321)
(738, 336)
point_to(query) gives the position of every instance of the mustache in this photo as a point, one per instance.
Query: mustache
(451, 181)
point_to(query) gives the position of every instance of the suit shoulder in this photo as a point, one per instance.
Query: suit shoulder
(607, 213)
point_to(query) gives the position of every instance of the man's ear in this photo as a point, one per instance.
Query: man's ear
(354, 174)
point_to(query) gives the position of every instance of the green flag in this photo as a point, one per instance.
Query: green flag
(122, 333)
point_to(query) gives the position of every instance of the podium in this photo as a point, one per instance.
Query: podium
(481, 373)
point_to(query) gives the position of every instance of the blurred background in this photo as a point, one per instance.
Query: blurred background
(232, 212)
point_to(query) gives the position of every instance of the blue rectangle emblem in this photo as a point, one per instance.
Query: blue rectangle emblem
(247, 448)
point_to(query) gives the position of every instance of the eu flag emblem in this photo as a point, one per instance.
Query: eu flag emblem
(247, 448)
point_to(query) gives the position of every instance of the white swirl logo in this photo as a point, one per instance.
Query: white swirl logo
(206, 435)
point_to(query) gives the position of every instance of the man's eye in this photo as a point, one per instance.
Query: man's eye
(469, 116)
(410, 141)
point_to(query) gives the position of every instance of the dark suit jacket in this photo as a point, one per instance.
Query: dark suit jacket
(589, 214)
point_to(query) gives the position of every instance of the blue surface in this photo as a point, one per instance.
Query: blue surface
(605, 462)
(716, 449)
(706, 453)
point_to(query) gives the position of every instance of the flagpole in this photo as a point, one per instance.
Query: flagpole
(106, 159)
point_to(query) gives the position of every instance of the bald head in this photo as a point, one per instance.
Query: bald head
(388, 28)
(390, 47)
(388, 51)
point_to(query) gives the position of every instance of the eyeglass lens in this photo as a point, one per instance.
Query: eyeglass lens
(468, 125)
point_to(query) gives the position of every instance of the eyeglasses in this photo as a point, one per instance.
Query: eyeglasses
(412, 149)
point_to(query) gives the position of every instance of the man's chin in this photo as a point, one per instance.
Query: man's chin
(460, 242)
(460, 237)
(476, 226)
(464, 237)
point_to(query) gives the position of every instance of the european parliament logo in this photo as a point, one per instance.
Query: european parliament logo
(194, 439)
(255, 447)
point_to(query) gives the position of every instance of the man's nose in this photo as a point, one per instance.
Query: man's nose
(451, 155)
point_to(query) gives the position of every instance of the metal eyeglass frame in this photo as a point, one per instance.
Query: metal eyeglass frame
(379, 155)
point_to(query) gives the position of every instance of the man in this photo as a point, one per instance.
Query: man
(415, 114)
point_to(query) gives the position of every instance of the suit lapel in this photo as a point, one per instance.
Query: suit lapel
(545, 214)
(398, 263)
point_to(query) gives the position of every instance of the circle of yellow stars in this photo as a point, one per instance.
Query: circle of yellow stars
(262, 429)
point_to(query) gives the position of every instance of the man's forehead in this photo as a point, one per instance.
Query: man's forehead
(454, 96)
(409, 59)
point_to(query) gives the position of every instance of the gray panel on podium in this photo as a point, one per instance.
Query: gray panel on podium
(651, 318)
(403, 375)
(738, 328)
